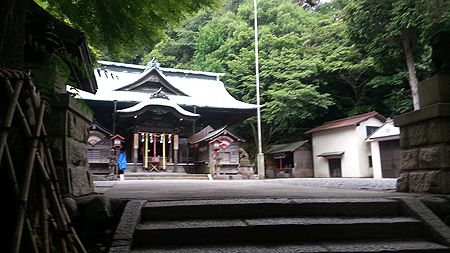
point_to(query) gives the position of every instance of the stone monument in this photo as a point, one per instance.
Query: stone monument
(245, 168)
(425, 133)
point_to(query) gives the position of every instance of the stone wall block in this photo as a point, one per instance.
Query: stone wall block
(77, 154)
(445, 130)
(439, 130)
(435, 157)
(57, 148)
(434, 132)
(403, 182)
(445, 181)
(409, 160)
(417, 135)
(429, 158)
(54, 123)
(81, 181)
(78, 127)
(419, 181)
(429, 181)
(404, 140)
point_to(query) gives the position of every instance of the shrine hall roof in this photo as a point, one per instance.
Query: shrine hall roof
(135, 83)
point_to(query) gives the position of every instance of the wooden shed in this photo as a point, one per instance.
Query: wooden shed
(216, 151)
(290, 160)
(99, 147)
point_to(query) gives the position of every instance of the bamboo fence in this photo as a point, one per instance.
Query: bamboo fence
(55, 227)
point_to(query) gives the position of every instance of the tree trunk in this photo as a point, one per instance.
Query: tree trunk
(12, 33)
(413, 81)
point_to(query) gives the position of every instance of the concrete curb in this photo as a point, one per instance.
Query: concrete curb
(437, 230)
(131, 216)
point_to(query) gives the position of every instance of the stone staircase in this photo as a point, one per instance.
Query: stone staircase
(163, 176)
(281, 225)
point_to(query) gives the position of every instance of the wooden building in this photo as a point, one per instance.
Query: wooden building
(290, 160)
(99, 148)
(216, 151)
(157, 109)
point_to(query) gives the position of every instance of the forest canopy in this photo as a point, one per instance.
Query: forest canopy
(317, 62)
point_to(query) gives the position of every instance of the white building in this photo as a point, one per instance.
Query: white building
(386, 152)
(340, 148)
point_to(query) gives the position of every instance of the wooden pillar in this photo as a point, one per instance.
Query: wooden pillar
(175, 153)
(146, 152)
(163, 137)
(135, 150)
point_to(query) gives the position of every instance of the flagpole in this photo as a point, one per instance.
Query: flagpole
(260, 157)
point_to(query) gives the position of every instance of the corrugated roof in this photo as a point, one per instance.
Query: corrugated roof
(351, 121)
(285, 147)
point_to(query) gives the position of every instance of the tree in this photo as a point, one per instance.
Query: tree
(390, 31)
(178, 50)
(287, 75)
(119, 26)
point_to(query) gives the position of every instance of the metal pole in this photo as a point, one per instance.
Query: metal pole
(114, 117)
(260, 157)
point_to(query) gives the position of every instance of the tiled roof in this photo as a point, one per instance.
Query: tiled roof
(189, 88)
(218, 132)
(351, 121)
(285, 147)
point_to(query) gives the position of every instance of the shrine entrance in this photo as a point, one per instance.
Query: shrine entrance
(155, 150)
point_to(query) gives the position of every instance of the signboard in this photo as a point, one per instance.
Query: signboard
(279, 155)
(222, 142)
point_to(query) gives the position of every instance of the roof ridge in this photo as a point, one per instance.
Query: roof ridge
(354, 120)
(371, 114)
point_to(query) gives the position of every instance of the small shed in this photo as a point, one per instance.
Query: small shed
(290, 160)
(217, 151)
(99, 145)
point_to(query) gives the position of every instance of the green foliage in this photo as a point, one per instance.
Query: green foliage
(56, 70)
(178, 50)
(286, 66)
(376, 27)
(123, 26)
(316, 64)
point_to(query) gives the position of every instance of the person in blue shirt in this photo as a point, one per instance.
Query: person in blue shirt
(122, 163)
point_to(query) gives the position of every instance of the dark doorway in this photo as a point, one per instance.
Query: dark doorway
(390, 158)
(335, 167)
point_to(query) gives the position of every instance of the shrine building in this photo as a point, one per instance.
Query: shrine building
(156, 110)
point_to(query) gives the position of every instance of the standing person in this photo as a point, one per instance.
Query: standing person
(122, 164)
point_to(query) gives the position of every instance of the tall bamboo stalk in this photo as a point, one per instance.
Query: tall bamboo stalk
(49, 172)
(9, 114)
(45, 241)
(27, 181)
(44, 161)
(15, 186)
(56, 206)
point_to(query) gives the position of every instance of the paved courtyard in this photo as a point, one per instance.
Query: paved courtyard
(160, 190)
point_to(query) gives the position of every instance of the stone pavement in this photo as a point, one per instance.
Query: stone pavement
(163, 190)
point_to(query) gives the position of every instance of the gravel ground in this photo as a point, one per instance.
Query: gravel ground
(385, 184)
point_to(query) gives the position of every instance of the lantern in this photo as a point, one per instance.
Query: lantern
(117, 141)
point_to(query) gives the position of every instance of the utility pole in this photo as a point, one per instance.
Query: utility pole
(260, 157)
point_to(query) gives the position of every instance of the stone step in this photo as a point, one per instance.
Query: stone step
(257, 208)
(337, 246)
(275, 230)
(163, 176)
(281, 225)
